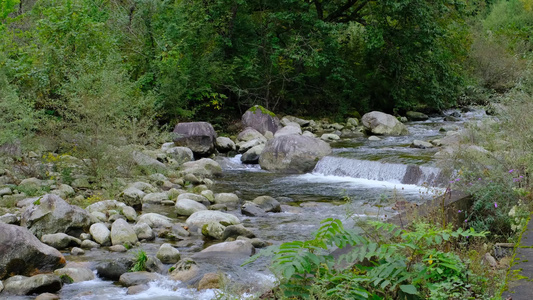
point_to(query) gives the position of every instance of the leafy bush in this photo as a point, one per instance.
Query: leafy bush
(387, 262)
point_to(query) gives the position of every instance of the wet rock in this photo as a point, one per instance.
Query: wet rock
(204, 167)
(200, 137)
(259, 243)
(186, 207)
(235, 231)
(112, 269)
(251, 156)
(293, 154)
(252, 209)
(229, 199)
(88, 244)
(77, 251)
(118, 248)
(176, 232)
(136, 289)
(421, 144)
(195, 197)
(329, 137)
(213, 230)
(200, 218)
(383, 124)
(47, 296)
(155, 220)
(236, 247)
(184, 270)
(22, 253)
(210, 281)
(261, 119)
(60, 240)
(416, 116)
(137, 278)
(122, 233)
(42, 283)
(153, 264)
(144, 232)
(268, 204)
(224, 145)
(374, 138)
(76, 274)
(100, 233)
(51, 214)
(168, 254)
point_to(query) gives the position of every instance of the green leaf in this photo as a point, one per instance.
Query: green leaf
(409, 289)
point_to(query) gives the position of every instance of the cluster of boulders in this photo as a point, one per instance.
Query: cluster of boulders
(179, 176)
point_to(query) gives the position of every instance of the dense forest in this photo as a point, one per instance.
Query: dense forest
(85, 65)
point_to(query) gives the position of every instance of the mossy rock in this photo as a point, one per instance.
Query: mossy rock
(265, 111)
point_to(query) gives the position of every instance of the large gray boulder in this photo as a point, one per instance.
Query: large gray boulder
(51, 214)
(383, 124)
(293, 153)
(204, 167)
(252, 155)
(200, 137)
(224, 144)
(261, 119)
(100, 233)
(42, 283)
(22, 253)
(186, 207)
(250, 134)
(200, 218)
(60, 240)
(122, 233)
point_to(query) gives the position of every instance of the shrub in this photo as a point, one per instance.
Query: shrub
(140, 262)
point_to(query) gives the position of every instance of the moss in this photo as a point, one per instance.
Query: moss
(265, 111)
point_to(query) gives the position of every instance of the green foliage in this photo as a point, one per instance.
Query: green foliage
(386, 262)
(140, 262)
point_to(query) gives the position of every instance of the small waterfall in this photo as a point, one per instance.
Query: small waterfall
(379, 171)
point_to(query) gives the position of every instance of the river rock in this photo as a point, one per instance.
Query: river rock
(200, 218)
(204, 167)
(176, 232)
(234, 231)
(252, 209)
(144, 231)
(155, 220)
(416, 116)
(122, 233)
(268, 204)
(112, 269)
(291, 128)
(224, 145)
(261, 119)
(168, 254)
(9, 219)
(52, 214)
(287, 119)
(22, 253)
(88, 244)
(208, 194)
(198, 136)
(421, 144)
(155, 198)
(100, 233)
(383, 124)
(293, 154)
(228, 199)
(185, 270)
(136, 278)
(42, 283)
(5, 191)
(130, 213)
(186, 207)
(211, 281)
(47, 296)
(180, 154)
(252, 155)
(118, 248)
(105, 205)
(77, 251)
(144, 160)
(245, 146)
(136, 289)
(78, 274)
(374, 138)
(195, 197)
(235, 247)
(329, 137)
(132, 196)
(60, 240)
(250, 134)
(214, 230)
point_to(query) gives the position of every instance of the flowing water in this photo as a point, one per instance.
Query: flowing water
(360, 179)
